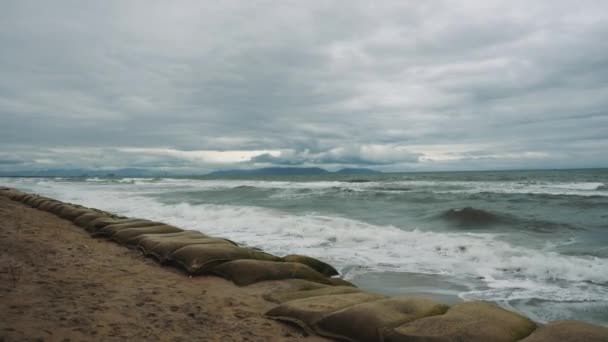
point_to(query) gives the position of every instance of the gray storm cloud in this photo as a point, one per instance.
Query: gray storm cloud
(398, 85)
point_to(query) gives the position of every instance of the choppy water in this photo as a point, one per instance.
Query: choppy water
(534, 241)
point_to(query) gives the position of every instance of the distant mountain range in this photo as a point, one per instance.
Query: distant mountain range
(290, 171)
(132, 172)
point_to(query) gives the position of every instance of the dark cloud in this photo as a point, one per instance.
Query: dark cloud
(398, 85)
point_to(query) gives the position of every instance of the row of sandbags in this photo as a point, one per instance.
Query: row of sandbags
(193, 251)
(313, 300)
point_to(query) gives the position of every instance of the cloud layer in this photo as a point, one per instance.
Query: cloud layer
(401, 85)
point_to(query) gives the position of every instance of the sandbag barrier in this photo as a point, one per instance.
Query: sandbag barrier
(312, 297)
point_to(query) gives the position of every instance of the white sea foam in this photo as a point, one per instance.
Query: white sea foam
(316, 187)
(508, 271)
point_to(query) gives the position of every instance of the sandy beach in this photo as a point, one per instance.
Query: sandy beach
(59, 284)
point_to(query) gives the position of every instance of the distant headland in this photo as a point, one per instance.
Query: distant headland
(290, 171)
(133, 172)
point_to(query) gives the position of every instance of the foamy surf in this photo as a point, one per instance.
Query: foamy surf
(488, 265)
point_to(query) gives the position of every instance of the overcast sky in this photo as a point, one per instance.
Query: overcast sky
(193, 86)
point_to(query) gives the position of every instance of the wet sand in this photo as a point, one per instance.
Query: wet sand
(59, 284)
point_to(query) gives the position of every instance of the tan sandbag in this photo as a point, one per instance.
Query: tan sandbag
(72, 212)
(200, 259)
(368, 321)
(99, 223)
(83, 220)
(146, 241)
(286, 286)
(569, 331)
(38, 201)
(13, 194)
(306, 312)
(29, 198)
(49, 204)
(57, 209)
(112, 229)
(318, 265)
(281, 297)
(341, 282)
(469, 321)
(246, 272)
(20, 197)
(162, 250)
(124, 235)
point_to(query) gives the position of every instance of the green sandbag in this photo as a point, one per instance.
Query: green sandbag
(318, 265)
(306, 312)
(99, 223)
(341, 282)
(368, 321)
(286, 296)
(124, 235)
(246, 272)
(112, 229)
(162, 250)
(469, 321)
(146, 241)
(569, 331)
(200, 259)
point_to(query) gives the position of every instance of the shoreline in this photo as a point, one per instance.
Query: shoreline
(133, 298)
(58, 283)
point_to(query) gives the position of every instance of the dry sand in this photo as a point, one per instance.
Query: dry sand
(59, 284)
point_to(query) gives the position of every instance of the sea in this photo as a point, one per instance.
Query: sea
(535, 242)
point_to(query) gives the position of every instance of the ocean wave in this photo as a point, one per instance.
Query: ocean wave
(508, 271)
(356, 246)
(469, 216)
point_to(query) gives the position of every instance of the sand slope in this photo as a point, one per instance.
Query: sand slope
(57, 283)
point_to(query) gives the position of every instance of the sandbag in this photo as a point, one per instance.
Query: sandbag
(306, 312)
(83, 220)
(98, 223)
(124, 235)
(469, 321)
(341, 282)
(49, 204)
(246, 272)
(72, 212)
(161, 251)
(29, 198)
(57, 209)
(13, 194)
(20, 197)
(200, 259)
(368, 321)
(38, 201)
(318, 265)
(281, 297)
(287, 286)
(146, 241)
(569, 331)
(112, 229)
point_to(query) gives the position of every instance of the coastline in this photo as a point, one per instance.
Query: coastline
(60, 282)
